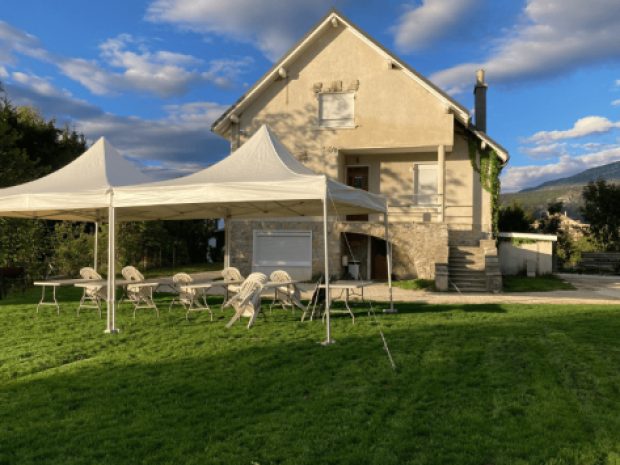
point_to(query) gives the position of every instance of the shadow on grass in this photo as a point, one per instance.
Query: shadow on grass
(522, 385)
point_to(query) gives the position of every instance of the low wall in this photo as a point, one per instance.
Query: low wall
(513, 259)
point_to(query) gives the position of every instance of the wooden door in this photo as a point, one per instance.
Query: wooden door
(357, 176)
(379, 259)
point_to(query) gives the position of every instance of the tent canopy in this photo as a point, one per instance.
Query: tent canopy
(261, 179)
(79, 191)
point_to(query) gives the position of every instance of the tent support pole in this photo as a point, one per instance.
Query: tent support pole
(227, 239)
(96, 239)
(389, 259)
(329, 340)
(111, 272)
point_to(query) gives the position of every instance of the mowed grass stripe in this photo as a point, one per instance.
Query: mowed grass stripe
(501, 384)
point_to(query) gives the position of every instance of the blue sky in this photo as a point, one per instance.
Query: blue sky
(153, 75)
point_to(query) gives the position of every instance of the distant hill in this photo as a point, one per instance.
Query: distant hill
(567, 190)
(610, 172)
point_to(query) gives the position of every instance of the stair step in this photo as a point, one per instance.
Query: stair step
(465, 268)
(468, 274)
(465, 260)
(467, 248)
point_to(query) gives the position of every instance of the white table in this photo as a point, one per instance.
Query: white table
(348, 287)
(205, 285)
(55, 283)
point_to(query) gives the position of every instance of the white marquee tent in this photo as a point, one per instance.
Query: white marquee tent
(260, 180)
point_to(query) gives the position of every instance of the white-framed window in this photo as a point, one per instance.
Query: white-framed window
(337, 110)
(425, 185)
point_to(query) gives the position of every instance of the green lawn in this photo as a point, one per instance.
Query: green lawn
(475, 384)
(538, 284)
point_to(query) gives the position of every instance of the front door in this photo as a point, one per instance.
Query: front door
(379, 259)
(357, 176)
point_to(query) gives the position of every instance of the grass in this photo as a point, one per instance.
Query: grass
(416, 285)
(545, 283)
(475, 384)
(193, 268)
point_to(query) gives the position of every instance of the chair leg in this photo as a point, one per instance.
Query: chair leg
(234, 318)
(171, 304)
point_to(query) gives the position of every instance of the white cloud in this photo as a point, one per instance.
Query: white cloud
(273, 26)
(181, 140)
(160, 72)
(554, 38)
(516, 178)
(13, 40)
(590, 125)
(3, 72)
(594, 146)
(432, 20)
(545, 151)
(616, 102)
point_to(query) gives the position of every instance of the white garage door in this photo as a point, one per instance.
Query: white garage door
(290, 251)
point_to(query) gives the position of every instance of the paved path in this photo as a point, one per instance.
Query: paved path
(590, 291)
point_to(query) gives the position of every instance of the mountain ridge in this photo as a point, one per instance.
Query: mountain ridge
(611, 172)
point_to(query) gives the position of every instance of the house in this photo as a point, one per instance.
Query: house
(347, 107)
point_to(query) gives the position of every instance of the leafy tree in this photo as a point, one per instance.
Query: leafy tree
(602, 211)
(30, 147)
(514, 218)
(16, 166)
(555, 207)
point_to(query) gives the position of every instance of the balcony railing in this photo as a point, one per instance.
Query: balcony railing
(416, 200)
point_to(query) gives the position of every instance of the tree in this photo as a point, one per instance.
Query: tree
(16, 166)
(30, 147)
(602, 211)
(514, 218)
(555, 207)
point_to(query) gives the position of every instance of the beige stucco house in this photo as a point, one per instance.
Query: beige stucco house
(347, 107)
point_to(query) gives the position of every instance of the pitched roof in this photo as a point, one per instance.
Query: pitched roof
(460, 112)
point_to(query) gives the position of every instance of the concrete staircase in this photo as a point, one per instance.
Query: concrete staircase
(466, 268)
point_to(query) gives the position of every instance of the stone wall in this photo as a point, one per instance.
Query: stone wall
(467, 234)
(416, 247)
(242, 243)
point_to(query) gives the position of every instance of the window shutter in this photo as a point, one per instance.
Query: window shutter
(336, 110)
(425, 185)
(283, 248)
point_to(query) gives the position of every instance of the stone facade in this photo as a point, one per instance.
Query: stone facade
(416, 247)
(242, 243)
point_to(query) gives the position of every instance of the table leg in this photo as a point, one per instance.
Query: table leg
(346, 302)
(42, 298)
(55, 301)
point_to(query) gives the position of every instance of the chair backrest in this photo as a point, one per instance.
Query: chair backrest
(183, 278)
(131, 273)
(231, 274)
(255, 282)
(89, 273)
(280, 276)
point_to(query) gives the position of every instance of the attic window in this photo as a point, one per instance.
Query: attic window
(336, 110)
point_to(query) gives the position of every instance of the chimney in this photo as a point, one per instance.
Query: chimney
(480, 91)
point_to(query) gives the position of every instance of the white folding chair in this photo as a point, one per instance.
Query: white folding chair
(231, 274)
(247, 301)
(189, 297)
(138, 294)
(288, 295)
(94, 294)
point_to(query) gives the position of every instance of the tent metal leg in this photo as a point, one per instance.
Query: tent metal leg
(329, 339)
(111, 328)
(389, 260)
(96, 243)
